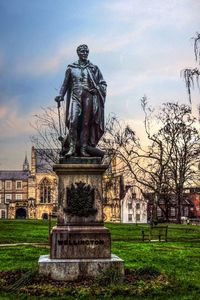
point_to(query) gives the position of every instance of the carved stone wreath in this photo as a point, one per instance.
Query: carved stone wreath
(80, 200)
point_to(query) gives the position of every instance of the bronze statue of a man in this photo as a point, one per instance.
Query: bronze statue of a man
(85, 91)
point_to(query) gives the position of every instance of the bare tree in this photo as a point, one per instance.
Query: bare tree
(120, 143)
(174, 150)
(182, 144)
(169, 163)
(192, 75)
(197, 47)
(48, 138)
(143, 166)
(157, 158)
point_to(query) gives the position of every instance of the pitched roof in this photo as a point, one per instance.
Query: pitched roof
(14, 175)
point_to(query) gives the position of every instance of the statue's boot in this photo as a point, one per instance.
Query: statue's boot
(72, 150)
(83, 151)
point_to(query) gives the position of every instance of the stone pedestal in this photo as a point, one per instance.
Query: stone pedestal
(77, 269)
(79, 241)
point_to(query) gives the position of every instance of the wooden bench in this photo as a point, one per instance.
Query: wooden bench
(155, 233)
(194, 221)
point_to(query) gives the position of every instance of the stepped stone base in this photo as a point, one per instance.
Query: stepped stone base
(76, 269)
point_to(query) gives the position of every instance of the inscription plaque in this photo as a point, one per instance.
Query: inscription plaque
(80, 242)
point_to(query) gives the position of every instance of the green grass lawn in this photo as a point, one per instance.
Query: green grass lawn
(23, 231)
(178, 259)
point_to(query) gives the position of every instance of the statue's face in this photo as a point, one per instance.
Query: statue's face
(83, 54)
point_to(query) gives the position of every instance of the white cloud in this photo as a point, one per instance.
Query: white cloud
(145, 20)
(3, 111)
(42, 65)
(113, 41)
(160, 11)
(14, 135)
(108, 43)
(12, 122)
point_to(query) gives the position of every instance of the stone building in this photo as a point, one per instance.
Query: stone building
(195, 198)
(113, 191)
(133, 206)
(30, 192)
(42, 185)
(167, 209)
(14, 192)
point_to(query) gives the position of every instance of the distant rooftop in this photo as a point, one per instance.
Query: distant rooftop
(14, 175)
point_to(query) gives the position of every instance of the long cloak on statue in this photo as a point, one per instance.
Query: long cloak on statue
(97, 81)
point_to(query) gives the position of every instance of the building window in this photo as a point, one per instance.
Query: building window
(1, 198)
(137, 205)
(18, 196)
(137, 217)
(8, 185)
(129, 205)
(3, 214)
(173, 212)
(1, 184)
(18, 185)
(159, 212)
(186, 211)
(130, 217)
(8, 197)
(45, 191)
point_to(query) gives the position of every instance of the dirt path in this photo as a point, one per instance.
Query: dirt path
(24, 244)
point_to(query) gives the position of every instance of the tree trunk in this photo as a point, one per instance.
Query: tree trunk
(179, 201)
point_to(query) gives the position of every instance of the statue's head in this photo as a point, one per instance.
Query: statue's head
(82, 52)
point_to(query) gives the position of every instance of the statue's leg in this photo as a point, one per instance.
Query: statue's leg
(86, 122)
(73, 124)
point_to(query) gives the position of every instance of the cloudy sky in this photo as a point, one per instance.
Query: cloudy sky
(140, 46)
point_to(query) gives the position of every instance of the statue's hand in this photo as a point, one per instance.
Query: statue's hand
(93, 91)
(59, 98)
(60, 138)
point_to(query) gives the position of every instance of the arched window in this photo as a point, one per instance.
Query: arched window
(45, 191)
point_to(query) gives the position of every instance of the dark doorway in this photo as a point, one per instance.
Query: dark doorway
(45, 216)
(21, 213)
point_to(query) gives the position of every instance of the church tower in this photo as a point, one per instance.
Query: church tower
(25, 164)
